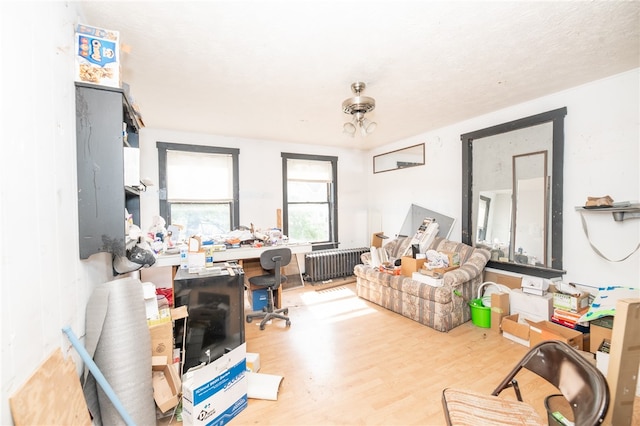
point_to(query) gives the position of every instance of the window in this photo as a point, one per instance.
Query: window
(310, 185)
(199, 188)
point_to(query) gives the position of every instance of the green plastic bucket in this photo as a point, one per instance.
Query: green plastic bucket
(480, 314)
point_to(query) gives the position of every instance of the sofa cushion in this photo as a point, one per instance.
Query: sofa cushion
(442, 244)
(439, 316)
(404, 284)
(395, 248)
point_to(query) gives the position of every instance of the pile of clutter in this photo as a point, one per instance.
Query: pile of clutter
(165, 239)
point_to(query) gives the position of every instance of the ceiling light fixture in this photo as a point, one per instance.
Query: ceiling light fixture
(358, 106)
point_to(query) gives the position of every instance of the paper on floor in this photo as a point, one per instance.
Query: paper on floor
(263, 386)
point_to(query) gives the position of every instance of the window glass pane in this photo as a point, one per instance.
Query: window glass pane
(199, 176)
(201, 219)
(309, 170)
(307, 192)
(309, 222)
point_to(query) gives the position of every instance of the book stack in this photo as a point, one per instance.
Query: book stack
(570, 319)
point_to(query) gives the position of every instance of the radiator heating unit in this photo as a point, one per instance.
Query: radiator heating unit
(324, 265)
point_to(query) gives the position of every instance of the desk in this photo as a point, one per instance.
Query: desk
(235, 254)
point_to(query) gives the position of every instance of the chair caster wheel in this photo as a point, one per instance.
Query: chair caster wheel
(249, 319)
(261, 326)
(286, 312)
(288, 323)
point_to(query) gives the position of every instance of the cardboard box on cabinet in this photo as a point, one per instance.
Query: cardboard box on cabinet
(97, 53)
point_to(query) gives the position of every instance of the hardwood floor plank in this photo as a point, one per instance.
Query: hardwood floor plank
(346, 361)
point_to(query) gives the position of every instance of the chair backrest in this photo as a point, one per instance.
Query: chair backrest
(581, 383)
(271, 258)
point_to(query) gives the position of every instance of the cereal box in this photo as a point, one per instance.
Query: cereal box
(97, 56)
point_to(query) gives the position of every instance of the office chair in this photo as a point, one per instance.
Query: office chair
(271, 260)
(580, 383)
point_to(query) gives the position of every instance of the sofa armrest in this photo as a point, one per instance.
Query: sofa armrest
(471, 269)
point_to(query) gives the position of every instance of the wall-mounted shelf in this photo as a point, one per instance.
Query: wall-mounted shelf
(103, 117)
(619, 213)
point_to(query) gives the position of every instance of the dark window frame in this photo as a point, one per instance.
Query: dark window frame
(333, 199)
(163, 147)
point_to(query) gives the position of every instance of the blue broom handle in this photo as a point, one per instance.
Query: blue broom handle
(97, 374)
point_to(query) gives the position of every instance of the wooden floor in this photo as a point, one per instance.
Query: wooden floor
(346, 361)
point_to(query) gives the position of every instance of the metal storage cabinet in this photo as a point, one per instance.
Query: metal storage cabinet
(102, 196)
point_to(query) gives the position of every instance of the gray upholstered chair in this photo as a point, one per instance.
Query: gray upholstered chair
(271, 260)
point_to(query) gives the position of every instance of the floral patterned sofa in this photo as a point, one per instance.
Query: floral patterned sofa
(441, 308)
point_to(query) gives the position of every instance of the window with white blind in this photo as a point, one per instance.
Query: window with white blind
(199, 188)
(310, 202)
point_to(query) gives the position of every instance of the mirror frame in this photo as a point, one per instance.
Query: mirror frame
(515, 194)
(398, 152)
(557, 117)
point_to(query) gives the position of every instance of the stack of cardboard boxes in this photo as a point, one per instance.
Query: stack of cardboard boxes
(614, 350)
(526, 318)
(165, 365)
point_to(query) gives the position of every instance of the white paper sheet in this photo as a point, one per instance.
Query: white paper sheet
(263, 386)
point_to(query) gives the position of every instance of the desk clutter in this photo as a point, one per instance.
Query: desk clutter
(169, 239)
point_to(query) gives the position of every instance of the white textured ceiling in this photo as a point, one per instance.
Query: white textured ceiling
(279, 70)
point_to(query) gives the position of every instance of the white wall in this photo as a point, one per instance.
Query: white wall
(261, 179)
(45, 286)
(602, 156)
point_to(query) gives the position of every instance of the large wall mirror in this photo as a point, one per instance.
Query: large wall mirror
(411, 156)
(512, 177)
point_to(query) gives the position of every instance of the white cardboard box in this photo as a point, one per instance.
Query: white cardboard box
(253, 362)
(217, 392)
(150, 301)
(530, 306)
(569, 302)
